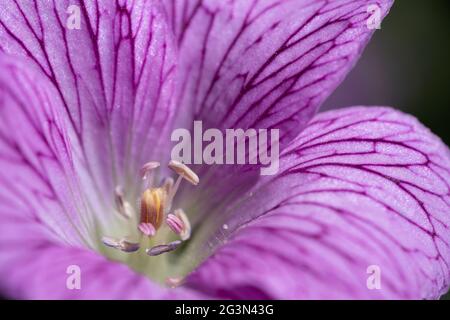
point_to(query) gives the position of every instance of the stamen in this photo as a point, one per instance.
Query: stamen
(179, 224)
(157, 250)
(128, 211)
(147, 228)
(168, 185)
(110, 242)
(174, 223)
(155, 203)
(124, 244)
(147, 173)
(118, 192)
(123, 207)
(128, 246)
(148, 167)
(184, 172)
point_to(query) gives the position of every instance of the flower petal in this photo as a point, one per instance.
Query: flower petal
(38, 174)
(114, 74)
(33, 267)
(39, 203)
(361, 189)
(266, 64)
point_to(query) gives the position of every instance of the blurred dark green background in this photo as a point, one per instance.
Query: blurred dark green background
(406, 66)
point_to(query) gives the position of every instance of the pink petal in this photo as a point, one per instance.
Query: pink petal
(359, 188)
(265, 64)
(40, 205)
(37, 268)
(37, 163)
(114, 75)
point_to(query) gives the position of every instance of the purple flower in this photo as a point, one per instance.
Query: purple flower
(360, 193)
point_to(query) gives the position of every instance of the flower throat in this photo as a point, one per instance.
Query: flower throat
(157, 222)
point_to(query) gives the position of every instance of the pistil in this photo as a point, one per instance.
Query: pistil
(153, 202)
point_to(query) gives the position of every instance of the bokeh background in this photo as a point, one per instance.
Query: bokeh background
(406, 66)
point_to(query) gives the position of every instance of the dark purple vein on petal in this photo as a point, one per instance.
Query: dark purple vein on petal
(374, 184)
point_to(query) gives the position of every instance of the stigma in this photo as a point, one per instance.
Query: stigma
(155, 212)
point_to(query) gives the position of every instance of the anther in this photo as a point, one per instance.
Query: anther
(110, 242)
(124, 244)
(147, 228)
(147, 172)
(148, 167)
(186, 232)
(184, 172)
(123, 207)
(174, 223)
(179, 223)
(157, 250)
(128, 246)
